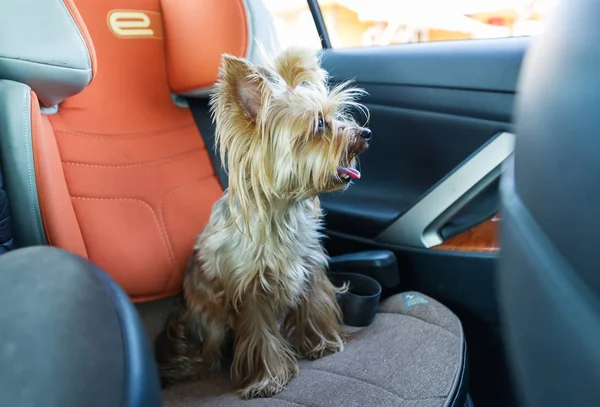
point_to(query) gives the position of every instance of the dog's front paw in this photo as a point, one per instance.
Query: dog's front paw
(268, 386)
(317, 345)
(264, 388)
(325, 348)
(322, 352)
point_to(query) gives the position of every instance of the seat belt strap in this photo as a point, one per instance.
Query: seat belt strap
(201, 113)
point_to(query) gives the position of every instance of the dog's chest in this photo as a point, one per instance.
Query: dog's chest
(286, 260)
(280, 264)
(289, 266)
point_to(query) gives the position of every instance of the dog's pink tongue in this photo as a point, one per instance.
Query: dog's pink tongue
(351, 172)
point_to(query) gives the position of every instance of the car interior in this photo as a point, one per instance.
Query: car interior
(473, 214)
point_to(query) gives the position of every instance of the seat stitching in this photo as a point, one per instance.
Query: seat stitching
(161, 230)
(374, 385)
(141, 164)
(27, 135)
(41, 194)
(162, 216)
(43, 64)
(152, 133)
(420, 319)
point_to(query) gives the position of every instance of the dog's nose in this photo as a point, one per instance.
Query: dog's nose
(366, 134)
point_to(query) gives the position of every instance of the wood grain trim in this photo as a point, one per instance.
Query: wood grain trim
(481, 238)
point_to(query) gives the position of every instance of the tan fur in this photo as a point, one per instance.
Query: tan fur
(258, 267)
(297, 65)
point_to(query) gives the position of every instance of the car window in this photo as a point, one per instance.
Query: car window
(361, 23)
(294, 23)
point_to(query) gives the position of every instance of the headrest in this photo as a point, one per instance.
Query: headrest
(197, 33)
(45, 45)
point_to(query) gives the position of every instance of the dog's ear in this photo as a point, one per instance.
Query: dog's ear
(298, 64)
(246, 82)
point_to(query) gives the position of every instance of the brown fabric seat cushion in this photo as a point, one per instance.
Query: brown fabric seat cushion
(411, 355)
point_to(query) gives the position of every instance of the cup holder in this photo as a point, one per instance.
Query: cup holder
(360, 303)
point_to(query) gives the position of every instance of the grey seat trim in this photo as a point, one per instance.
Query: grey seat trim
(16, 159)
(52, 57)
(53, 83)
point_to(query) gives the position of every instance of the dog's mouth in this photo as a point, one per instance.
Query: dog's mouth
(347, 174)
(346, 171)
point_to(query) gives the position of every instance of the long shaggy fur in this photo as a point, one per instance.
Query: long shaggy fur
(257, 273)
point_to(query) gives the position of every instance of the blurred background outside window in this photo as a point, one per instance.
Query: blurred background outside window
(364, 23)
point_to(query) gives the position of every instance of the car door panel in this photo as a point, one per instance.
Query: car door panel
(431, 105)
(490, 65)
(434, 108)
(411, 151)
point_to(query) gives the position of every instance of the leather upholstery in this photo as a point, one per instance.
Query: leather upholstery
(119, 173)
(136, 171)
(238, 27)
(70, 336)
(54, 56)
(56, 207)
(549, 279)
(190, 66)
(16, 157)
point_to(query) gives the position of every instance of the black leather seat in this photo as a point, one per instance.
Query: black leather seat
(69, 336)
(6, 233)
(550, 267)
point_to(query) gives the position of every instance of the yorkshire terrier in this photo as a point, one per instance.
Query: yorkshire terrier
(257, 272)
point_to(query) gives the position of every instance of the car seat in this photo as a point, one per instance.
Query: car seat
(549, 276)
(103, 159)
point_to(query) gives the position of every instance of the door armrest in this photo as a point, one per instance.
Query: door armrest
(380, 265)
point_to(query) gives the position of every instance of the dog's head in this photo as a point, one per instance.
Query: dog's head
(286, 135)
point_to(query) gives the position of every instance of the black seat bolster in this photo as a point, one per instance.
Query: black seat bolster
(70, 335)
(6, 235)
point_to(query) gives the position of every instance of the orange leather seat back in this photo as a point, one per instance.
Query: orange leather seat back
(122, 172)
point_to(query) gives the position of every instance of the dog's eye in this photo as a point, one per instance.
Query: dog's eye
(321, 124)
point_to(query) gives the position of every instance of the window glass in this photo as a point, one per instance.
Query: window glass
(294, 23)
(357, 23)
